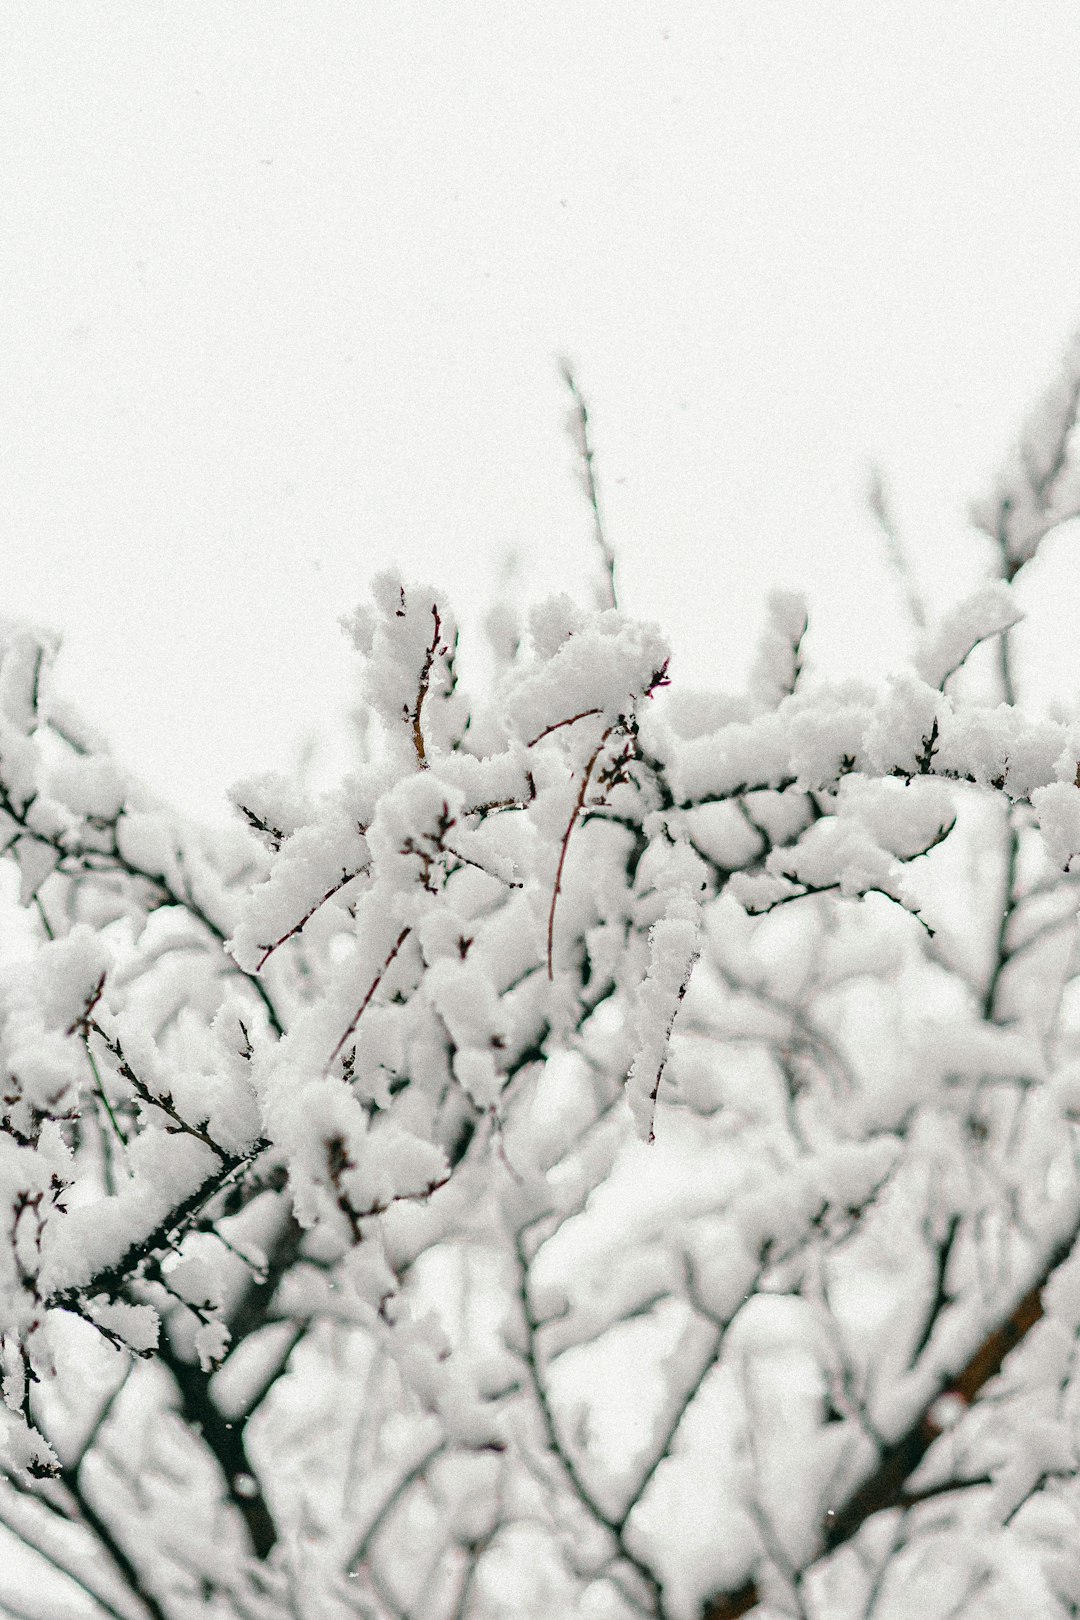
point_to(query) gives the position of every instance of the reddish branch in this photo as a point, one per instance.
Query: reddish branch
(429, 858)
(298, 928)
(478, 866)
(884, 1488)
(665, 1054)
(372, 987)
(578, 808)
(571, 720)
(422, 691)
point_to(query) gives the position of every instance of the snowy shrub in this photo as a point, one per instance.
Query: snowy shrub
(615, 1154)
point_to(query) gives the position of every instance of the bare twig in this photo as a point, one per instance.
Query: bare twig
(73, 1567)
(654, 1091)
(583, 442)
(884, 1487)
(390, 1501)
(372, 987)
(579, 806)
(149, 1098)
(880, 504)
(571, 720)
(615, 1527)
(298, 928)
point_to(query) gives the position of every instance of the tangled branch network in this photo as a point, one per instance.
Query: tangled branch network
(613, 1155)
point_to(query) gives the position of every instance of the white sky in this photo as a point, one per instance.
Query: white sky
(283, 285)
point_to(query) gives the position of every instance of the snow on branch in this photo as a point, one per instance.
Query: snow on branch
(1039, 487)
(484, 1189)
(989, 611)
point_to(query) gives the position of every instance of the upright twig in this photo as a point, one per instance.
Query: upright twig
(371, 989)
(583, 443)
(579, 805)
(880, 503)
(423, 689)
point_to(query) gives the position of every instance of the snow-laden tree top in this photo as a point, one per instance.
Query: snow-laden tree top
(511, 1181)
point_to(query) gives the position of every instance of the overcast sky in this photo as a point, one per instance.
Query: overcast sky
(284, 284)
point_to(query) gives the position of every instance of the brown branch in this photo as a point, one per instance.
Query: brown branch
(297, 928)
(571, 720)
(578, 808)
(493, 806)
(338, 1162)
(83, 1024)
(655, 1091)
(478, 866)
(884, 1487)
(372, 987)
(422, 691)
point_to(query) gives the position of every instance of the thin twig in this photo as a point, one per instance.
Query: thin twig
(571, 720)
(880, 504)
(78, 1574)
(45, 923)
(654, 1092)
(149, 1098)
(608, 597)
(390, 1501)
(372, 987)
(579, 806)
(100, 1090)
(298, 928)
(883, 1487)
